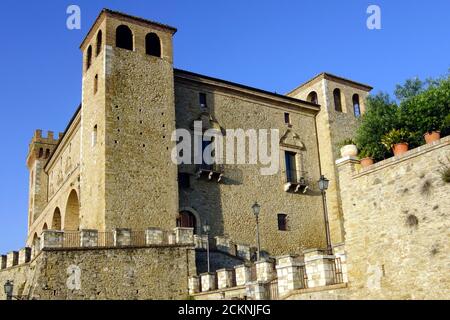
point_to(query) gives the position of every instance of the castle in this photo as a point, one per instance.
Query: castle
(106, 192)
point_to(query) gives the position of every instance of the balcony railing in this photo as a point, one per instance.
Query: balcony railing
(210, 171)
(295, 182)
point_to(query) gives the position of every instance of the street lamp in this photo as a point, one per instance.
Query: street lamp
(9, 289)
(323, 186)
(256, 209)
(206, 229)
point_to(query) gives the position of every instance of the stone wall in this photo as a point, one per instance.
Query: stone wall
(158, 272)
(397, 225)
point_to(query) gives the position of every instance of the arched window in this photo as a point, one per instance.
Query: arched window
(187, 219)
(72, 213)
(99, 42)
(356, 106)
(88, 57)
(124, 38)
(56, 220)
(152, 45)
(41, 152)
(45, 227)
(337, 100)
(312, 97)
(47, 153)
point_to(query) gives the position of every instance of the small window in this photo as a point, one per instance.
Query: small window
(124, 38)
(312, 97)
(41, 153)
(95, 83)
(47, 153)
(94, 136)
(202, 100)
(287, 118)
(282, 222)
(356, 106)
(99, 43)
(291, 167)
(184, 180)
(337, 100)
(88, 58)
(153, 45)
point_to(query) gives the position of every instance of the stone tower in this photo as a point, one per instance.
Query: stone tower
(128, 114)
(342, 103)
(39, 152)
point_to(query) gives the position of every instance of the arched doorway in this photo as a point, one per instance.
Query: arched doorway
(72, 215)
(56, 220)
(187, 219)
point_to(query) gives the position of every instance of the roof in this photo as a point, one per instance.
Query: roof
(330, 76)
(173, 30)
(268, 94)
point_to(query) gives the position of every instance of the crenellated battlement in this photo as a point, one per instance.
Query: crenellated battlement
(42, 146)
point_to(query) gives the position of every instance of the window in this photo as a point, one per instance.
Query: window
(202, 100)
(187, 220)
(94, 136)
(95, 83)
(356, 107)
(153, 45)
(99, 43)
(291, 166)
(287, 118)
(183, 180)
(282, 222)
(47, 153)
(337, 100)
(88, 57)
(41, 153)
(312, 97)
(124, 38)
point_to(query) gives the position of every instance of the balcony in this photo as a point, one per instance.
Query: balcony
(295, 182)
(210, 172)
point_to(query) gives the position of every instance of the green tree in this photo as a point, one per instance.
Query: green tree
(381, 116)
(409, 89)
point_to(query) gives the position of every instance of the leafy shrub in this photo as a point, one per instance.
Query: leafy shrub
(395, 136)
(427, 111)
(380, 117)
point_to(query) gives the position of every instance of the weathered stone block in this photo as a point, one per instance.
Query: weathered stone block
(225, 278)
(243, 274)
(184, 235)
(201, 242)
(12, 259)
(225, 244)
(24, 255)
(122, 237)
(291, 274)
(208, 281)
(265, 270)
(194, 285)
(245, 252)
(154, 236)
(320, 268)
(89, 238)
(52, 239)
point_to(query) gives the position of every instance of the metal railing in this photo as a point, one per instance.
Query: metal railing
(271, 289)
(72, 239)
(303, 277)
(337, 271)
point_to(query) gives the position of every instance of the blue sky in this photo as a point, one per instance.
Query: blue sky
(272, 45)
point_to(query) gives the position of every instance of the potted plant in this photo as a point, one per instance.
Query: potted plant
(366, 158)
(348, 148)
(433, 133)
(396, 140)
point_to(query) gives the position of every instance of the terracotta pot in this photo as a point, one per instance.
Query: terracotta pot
(433, 136)
(366, 162)
(349, 150)
(400, 148)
